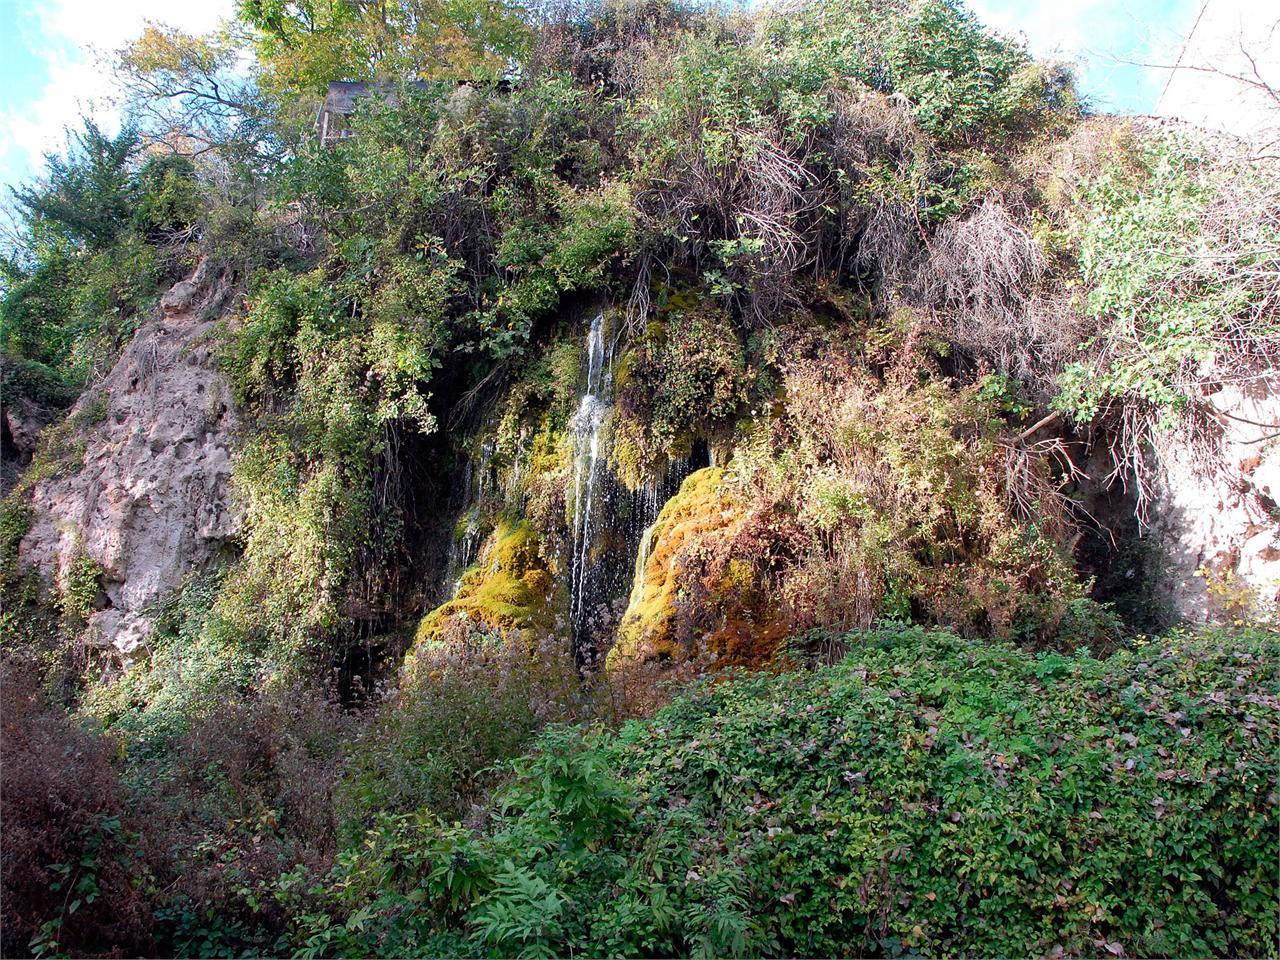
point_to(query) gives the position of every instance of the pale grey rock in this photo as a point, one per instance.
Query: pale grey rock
(1220, 535)
(151, 500)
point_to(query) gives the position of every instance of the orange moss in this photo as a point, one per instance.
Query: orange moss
(731, 614)
(648, 628)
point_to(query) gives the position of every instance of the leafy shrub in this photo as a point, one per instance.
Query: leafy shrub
(875, 489)
(32, 380)
(195, 663)
(247, 796)
(97, 240)
(436, 742)
(231, 768)
(928, 794)
(1177, 249)
(79, 588)
(303, 477)
(1164, 306)
(686, 377)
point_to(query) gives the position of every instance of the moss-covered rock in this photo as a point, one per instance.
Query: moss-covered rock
(509, 592)
(699, 511)
(700, 590)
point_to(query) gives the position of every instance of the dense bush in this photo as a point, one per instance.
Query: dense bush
(1177, 247)
(850, 253)
(229, 774)
(927, 794)
(872, 487)
(686, 377)
(437, 742)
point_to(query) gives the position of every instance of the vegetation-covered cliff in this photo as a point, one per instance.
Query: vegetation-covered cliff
(649, 479)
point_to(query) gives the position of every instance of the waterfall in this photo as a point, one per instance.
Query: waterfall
(642, 561)
(588, 467)
(610, 523)
(462, 553)
(648, 502)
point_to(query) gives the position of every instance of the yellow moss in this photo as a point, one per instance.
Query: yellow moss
(551, 451)
(626, 456)
(700, 509)
(510, 591)
(623, 370)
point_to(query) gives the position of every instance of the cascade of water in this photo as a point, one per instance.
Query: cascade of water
(478, 482)
(642, 561)
(647, 504)
(588, 467)
(610, 525)
(462, 553)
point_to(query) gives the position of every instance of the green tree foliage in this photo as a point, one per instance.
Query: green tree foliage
(304, 44)
(828, 249)
(99, 237)
(194, 95)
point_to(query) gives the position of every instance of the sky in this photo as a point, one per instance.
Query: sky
(49, 75)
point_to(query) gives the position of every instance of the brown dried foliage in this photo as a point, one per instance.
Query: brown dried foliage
(58, 790)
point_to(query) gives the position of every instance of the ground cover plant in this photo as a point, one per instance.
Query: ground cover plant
(925, 794)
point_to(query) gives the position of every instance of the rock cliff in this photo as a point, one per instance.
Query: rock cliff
(1220, 534)
(150, 499)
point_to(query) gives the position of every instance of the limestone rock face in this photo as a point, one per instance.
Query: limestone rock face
(1220, 536)
(150, 501)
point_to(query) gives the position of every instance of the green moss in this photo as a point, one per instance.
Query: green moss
(510, 592)
(92, 411)
(15, 520)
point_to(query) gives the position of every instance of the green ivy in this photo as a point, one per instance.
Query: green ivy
(926, 795)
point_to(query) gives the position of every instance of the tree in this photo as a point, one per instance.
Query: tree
(197, 94)
(87, 197)
(304, 44)
(93, 241)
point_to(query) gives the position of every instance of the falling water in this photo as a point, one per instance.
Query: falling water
(610, 523)
(647, 503)
(588, 467)
(477, 481)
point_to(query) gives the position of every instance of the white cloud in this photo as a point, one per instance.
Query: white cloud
(69, 36)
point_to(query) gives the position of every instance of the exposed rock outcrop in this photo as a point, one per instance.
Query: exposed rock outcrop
(21, 424)
(31, 397)
(150, 500)
(1220, 535)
